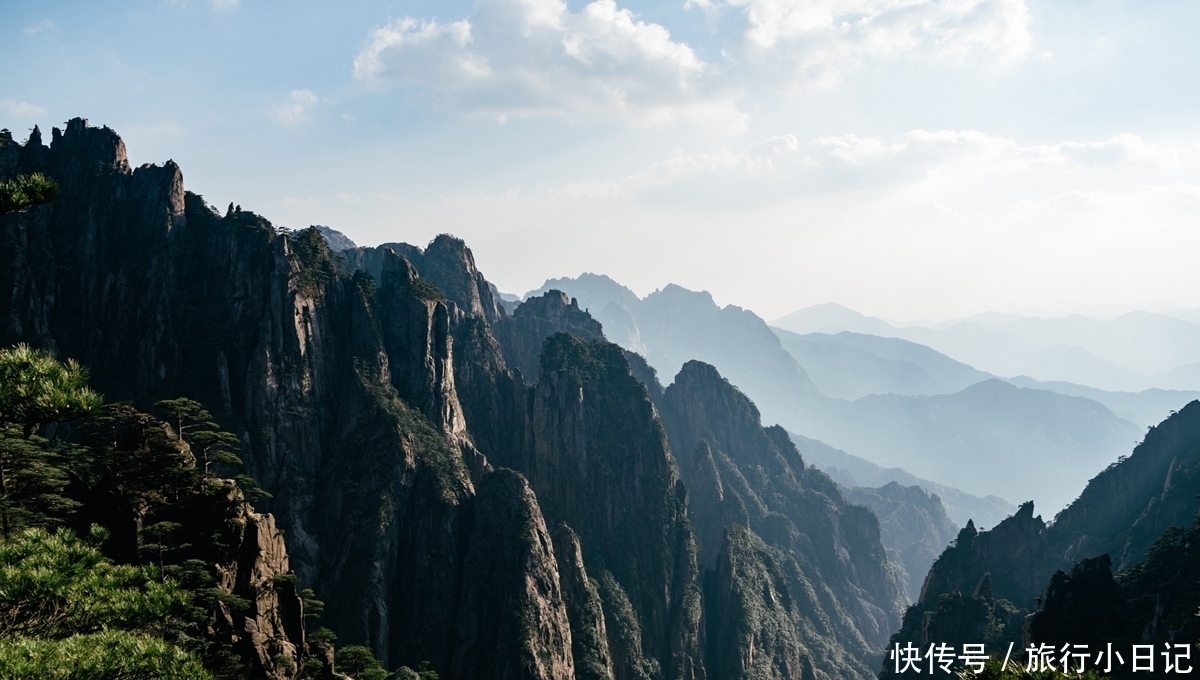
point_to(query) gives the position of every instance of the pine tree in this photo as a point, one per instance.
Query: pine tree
(25, 191)
(35, 390)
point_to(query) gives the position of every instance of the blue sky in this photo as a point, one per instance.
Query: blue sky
(908, 158)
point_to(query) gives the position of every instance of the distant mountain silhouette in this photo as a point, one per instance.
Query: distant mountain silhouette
(851, 471)
(852, 365)
(975, 439)
(1129, 353)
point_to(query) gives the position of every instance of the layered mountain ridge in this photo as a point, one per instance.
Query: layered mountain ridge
(965, 438)
(503, 496)
(1029, 582)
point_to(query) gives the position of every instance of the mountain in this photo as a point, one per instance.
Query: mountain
(1135, 516)
(1143, 342)
(337, 240)
(985, 438)
(1186, 377)
(913, 526)
(780, 538)
(1129, 353)
(851, 471)
(473, 492)
(1144, 409)
(832, 318)
(852, 365)
(976, 439)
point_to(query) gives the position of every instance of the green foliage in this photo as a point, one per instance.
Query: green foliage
(107, 654)
(358, 662)
(422, 673)
(323, 636)
(313, 608)
(427, 291)
(25, 191)
(135, 459)
(313, 261)
(34, 476)
(54, 585)
(167, 525)
(195, 425)
(36, 389)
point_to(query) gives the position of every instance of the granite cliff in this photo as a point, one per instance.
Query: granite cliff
(501, 496)
(1135, 518)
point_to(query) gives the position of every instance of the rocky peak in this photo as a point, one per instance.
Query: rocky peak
(450, 265)
(1015, 552)
(800, 535)
(913, 525)
(270, 633)
(81, 141)
(521, 336)
(1083, 605)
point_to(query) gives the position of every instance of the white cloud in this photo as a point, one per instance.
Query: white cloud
(299, 108)
(964, 168)
(20, 109)
(520, 58)
(43, 26)
(818, 40)
(222, 5)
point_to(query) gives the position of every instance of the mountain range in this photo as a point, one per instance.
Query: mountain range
(481, 487)
(470, 492)
(904, 405)
(1129, 353)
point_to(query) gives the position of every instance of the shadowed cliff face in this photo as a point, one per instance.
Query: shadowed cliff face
(536, 319)
(1130, 516)
(913, 527)
(342, 387)
(375, 402)
(599, 462)
(796, 532)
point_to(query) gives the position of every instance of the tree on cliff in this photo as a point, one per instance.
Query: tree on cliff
(69, 612)
(25, 191)
(35, 389)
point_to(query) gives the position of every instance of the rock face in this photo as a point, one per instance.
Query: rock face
(796, 526)
(533, 321)
(1130, 514)
(912, 525)
(343, 388)
(383, 396)
(533, 638)
(272, 629)
(599, 461)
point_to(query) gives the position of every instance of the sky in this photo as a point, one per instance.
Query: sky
(910, 159)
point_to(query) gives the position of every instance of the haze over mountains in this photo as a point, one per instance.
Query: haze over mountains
(1130, 353)
(899, 402)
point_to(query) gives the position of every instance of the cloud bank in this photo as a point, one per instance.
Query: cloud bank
(525, 58)
(522, 58)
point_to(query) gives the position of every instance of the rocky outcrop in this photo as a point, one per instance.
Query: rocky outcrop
(1124, 509)
(270, 633)
(913, 526)
(826, 550)
(753, 622)
(589, 636)
(521, 336)
(957, 619)
(598, 460)
(511, 628)
(1083, 605)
